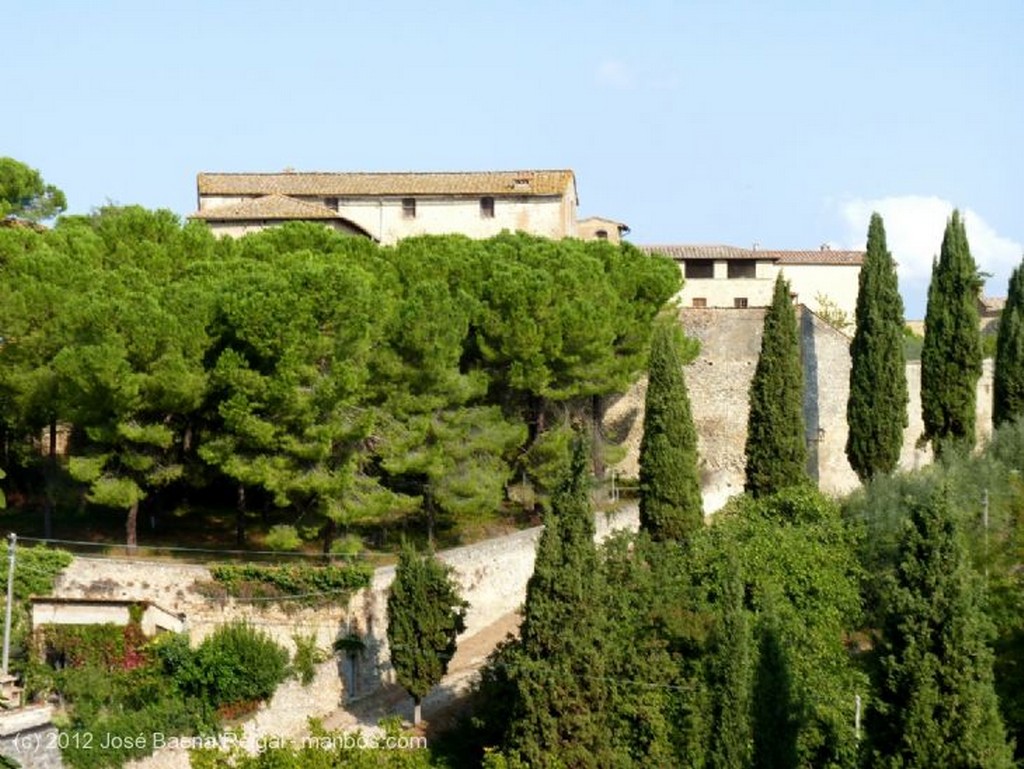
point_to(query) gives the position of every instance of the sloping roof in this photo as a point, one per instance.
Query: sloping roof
(684, 252)
(720, 252)
(267, 207)
(817, 256)
(529, 183)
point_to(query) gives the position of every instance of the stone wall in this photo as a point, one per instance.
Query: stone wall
(719, 381)
(28, 737)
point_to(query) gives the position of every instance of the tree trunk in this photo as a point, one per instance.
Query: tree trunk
(330, 529)
(417, 713)
(240, 517)
(50, 482)
(132, 526)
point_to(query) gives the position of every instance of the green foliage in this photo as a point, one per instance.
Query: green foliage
(557, 671)
(425, 616)
(936, 702)
(23, 193)
(35, 570)
(876, 411)
(322, 749)
(237, 663)
(307, 656)
(1008, 383)
(311, 583)
(282, 537)
(670, 499)
(776, 448)
(951, 355)
(830, 312)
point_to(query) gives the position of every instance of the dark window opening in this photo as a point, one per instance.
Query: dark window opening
(602, 234)
(700, 268)
(487, 208)
(700, 301)
(740, 302)
(738, 269)
(409, 208)
(331, 203)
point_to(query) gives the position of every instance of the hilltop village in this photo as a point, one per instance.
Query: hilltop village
(426, 470)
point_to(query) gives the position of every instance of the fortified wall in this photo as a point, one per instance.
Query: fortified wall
(719, 381)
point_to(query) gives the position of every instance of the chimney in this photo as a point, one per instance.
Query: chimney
(826, 247)
(755, 246)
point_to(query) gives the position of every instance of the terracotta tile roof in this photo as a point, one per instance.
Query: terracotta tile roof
(529, 183)
(267, 207)
(684, 252)
(816, 256)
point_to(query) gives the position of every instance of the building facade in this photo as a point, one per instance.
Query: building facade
(389, 206)
(729, 276)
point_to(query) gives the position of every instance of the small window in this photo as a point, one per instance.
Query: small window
(409, 208)
(700, 268)
(700, 301)
(742, 269)
(740, 302)
(601, 234)
(331, 203)
(793, 297)
(487, 208)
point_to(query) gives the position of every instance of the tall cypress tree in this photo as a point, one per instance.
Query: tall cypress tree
(951, 353)
(936, 702)
(558, 673)
(876, 411)
(670, 501)
(1008, 387)
(425, 616)
(776, 449)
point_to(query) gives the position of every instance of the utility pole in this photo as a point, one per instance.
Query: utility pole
(13, 539)
(856, 717)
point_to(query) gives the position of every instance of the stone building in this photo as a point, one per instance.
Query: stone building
(729, 276)
(389, 206)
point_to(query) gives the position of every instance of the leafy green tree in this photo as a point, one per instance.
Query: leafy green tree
(776, 448)
(951, 355)
(459, 457)
(876, 411)
(425, 616)
(936, 702)
(23, 192)
(558, 674)
(1008, 385)
(670, 499)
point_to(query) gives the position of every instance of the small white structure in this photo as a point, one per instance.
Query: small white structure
(729, 276)
(389, 206)
(99, 611)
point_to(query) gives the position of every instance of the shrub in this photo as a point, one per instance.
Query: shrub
(238, 663)
(307, 655)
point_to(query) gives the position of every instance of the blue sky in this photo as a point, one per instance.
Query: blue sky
(784, 123)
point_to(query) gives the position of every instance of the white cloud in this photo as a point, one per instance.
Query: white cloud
(614, 74)
(914, 225)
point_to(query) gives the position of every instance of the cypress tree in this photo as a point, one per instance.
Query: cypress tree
(425, 616)
(776, 449)
(876, 411)
(730, 670)
(559, 675)
(1008, 387)
(951, 353)
(670, 501)
(936, 702)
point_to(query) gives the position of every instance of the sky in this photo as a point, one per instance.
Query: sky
(780, 122)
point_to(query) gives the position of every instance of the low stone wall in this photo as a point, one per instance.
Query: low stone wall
(28, 737)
